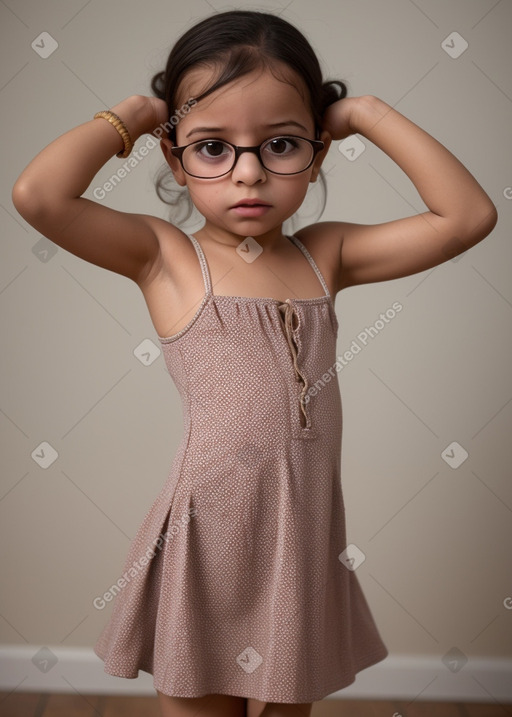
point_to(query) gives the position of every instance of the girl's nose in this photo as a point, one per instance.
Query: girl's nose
(248, 169)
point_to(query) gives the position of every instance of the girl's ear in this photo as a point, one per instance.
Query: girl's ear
(173, 162)
(326, 139)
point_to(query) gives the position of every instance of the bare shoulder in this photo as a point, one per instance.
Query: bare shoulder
(173, 287)
(174, 251)
(323, 241)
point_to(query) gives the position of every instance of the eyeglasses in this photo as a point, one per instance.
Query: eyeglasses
(212, 158)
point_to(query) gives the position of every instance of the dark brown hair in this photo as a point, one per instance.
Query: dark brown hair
(236, 43)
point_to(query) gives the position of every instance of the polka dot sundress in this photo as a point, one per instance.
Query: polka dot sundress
(238, 581)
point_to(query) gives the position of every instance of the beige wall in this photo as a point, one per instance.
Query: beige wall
(437, 539)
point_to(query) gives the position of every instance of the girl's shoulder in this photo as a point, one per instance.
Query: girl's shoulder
(322, 234)
(175, 250)
(323, 241)
(170, 237)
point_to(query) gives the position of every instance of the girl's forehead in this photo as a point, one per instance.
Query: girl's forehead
(268, 90)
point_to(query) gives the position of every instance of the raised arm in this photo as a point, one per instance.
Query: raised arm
(460, 212)
(48, 192)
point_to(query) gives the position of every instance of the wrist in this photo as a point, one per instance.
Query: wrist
(137, 114)
(368, 110)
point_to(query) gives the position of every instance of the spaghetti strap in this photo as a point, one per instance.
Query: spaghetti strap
(308, 256)
(204, 265)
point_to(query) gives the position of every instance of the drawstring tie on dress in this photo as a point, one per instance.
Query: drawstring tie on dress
(288, 312)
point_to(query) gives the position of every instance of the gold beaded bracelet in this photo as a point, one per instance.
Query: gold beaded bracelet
(118, 123)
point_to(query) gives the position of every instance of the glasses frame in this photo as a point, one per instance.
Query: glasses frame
(316, 144)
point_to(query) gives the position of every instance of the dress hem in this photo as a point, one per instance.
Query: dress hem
(370, 661)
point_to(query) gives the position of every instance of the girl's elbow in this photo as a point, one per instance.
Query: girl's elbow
(493, 212)
(489, 218)
(481, 221)
(26, 199)
(20, 195)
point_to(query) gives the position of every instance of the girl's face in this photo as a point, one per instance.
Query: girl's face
(245, 112)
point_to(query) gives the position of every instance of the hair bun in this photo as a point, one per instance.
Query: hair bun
(158, 85)
(333, 90)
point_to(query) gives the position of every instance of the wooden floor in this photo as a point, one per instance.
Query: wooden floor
(33, 704)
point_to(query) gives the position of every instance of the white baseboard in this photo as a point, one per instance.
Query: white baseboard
(400, 677)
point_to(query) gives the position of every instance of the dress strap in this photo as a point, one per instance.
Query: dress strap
(308, 256)
(204, 264)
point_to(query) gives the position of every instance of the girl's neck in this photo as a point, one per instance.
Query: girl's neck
(270, 241)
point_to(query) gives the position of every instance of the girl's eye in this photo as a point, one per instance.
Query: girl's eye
(281, 145)
(212, 149)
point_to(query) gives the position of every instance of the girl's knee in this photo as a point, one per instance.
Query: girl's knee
(256, 708)
(206, 706)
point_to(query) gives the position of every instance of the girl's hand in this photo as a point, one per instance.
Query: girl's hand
(141, 114)
(160, 114)
(339, 118)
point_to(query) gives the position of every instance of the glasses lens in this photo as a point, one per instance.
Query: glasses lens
(208, 158)
(286, 155)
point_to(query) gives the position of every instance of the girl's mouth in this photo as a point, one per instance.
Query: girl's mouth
(251, 208)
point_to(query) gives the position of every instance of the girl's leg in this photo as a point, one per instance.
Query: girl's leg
(206, 706)
(256, 708)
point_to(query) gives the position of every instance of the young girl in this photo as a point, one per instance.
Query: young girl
(239, 593)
